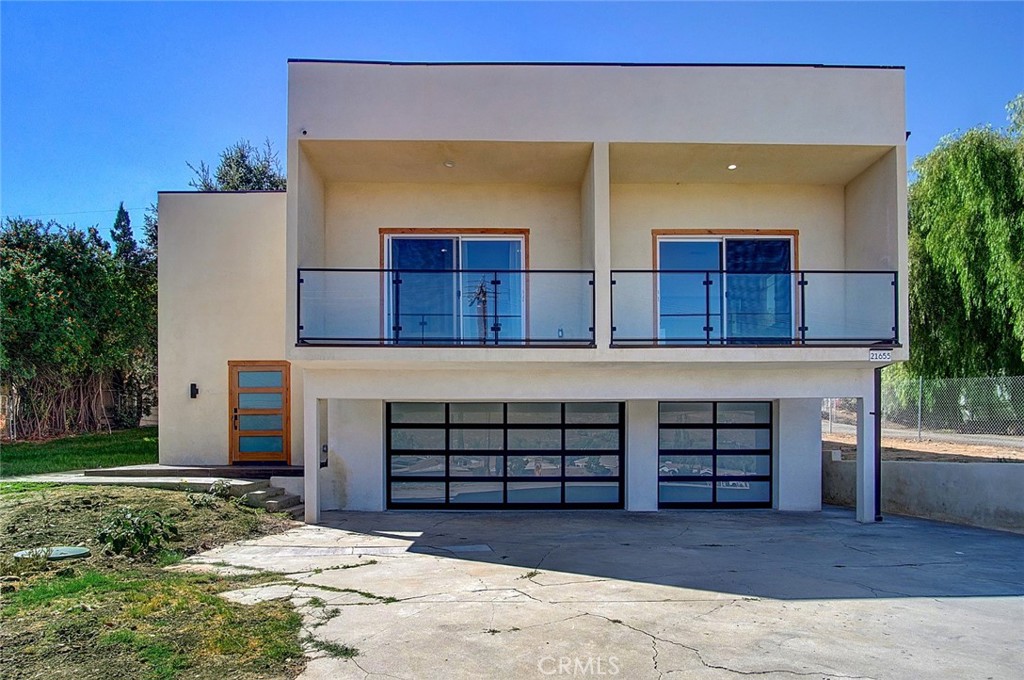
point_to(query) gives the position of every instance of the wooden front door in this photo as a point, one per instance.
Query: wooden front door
(260, 404)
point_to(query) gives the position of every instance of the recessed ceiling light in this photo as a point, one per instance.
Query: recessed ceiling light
(731, 166)
(449, 164)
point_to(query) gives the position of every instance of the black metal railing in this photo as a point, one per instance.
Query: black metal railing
(719, 308)
(458, 307)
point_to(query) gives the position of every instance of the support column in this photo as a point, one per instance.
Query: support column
(311, 455)
(642, 455)
(596, 222)
(797, 462)
(866, 451)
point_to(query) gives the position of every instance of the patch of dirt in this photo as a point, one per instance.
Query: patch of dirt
(110, 617)
(69, 515)
(925, 450)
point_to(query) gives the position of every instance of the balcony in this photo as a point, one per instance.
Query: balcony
(717, 308)
(445, 308)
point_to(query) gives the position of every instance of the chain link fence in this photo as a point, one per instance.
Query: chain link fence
(986, 411)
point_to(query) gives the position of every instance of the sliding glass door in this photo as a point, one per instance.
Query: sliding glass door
(454, 289)
(423, 290)
(758, 290)
(690, 290)
(491, 290)
(725, 290)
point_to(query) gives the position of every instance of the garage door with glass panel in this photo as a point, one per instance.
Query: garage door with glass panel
(715, 454)
(504, 455)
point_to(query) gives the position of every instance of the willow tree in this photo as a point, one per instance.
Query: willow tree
(967, 254)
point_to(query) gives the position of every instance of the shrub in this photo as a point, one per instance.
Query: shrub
(135, 531)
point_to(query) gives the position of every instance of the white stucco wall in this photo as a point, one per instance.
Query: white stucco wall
(876, 230)
(719, 104)
(221, 298)
(354, 476)
(816, 212)
(355, 212)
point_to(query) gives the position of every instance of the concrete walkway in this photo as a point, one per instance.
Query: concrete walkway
(169, 481)
(714, 594)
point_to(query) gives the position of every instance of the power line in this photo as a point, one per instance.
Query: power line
(80, 212)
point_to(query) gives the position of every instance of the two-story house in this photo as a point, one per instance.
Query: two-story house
(546, 286)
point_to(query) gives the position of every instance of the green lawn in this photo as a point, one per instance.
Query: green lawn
(124, 447)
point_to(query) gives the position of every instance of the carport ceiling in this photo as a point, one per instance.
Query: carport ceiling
(642, 163)
(449, 162)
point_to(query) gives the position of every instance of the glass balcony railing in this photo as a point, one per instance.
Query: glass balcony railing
(680, 308)
(465, 307)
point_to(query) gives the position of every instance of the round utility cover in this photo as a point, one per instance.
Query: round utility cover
(60, 552)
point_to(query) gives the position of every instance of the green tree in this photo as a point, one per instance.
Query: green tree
(77, 321)
(242, 167)
(967, 254)
(134, 380)
(125, 247)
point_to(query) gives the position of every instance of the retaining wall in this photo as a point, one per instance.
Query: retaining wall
(978, 494)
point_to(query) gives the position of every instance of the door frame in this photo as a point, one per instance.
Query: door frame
(286, 408)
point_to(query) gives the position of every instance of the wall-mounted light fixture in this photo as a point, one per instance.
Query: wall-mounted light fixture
(193, 391)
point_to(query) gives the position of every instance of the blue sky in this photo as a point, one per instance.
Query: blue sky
(104, 102)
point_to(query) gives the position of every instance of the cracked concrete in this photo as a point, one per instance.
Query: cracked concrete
(713, 594)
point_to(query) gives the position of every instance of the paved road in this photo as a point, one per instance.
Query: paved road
(952, 437)
(699, 594)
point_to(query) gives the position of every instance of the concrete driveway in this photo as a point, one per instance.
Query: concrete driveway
(697, 594)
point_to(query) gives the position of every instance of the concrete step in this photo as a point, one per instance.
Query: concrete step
(259, 499)
(240, 488)
(238, 471)
(283, 502)
(297, 512)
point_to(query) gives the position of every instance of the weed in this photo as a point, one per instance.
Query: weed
(529, 575)
(367, 563)
(316, 602)
(325, 614)
(202, 500)
(383, 599)
(19, 566)
(166, 558)
(221, 488)
(135, 531)
(332, 648)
